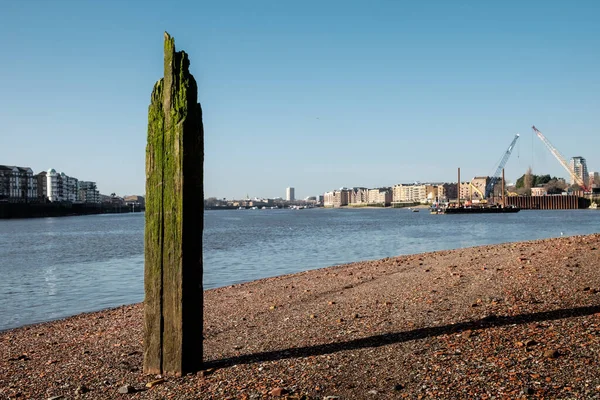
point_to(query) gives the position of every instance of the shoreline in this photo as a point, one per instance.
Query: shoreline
(12, 211)
(505, 320)
(419, 206)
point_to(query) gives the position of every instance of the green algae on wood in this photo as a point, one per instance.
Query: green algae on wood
(173, 304)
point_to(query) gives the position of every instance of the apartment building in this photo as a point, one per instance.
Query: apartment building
(42, 184)
(380, 196)
(465, 191)
(87, 192)
(328, 198)
(17, 184)
(594, 178)
(61, 187)
(290, 194)
(410, 193)
(69, 188)
(53, 185)
(579, 166)
(432, 193)
(358, 196)
(337, 198)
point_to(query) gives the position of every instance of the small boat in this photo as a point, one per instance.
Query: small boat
(593, 206)
(415, 210)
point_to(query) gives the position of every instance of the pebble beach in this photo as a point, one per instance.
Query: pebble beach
(508, 321)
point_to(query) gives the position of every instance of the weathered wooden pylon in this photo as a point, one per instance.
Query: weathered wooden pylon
(173, 304)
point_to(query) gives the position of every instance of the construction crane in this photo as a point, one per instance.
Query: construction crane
(494, 179)
(473, 187)
(574, 176)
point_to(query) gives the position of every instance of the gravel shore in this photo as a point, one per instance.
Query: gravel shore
(517, 320)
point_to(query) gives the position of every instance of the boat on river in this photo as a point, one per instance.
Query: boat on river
(478, 210)
(469, 207)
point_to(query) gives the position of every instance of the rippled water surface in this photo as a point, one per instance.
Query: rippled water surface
(55, 267)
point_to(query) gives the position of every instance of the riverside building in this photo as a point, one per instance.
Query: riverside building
(337, 198)
(61, 187)
(42, 185)
(17, 184)
(579, 166)
(289, 194)
(87, 192)
(69, 188)
(380, 196)
(410, 193)
(358, 196)
(594, 179)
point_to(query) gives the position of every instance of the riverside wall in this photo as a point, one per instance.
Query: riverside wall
(553, 202)
(42, 210)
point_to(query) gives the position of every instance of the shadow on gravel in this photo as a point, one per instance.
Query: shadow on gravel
(399, 337)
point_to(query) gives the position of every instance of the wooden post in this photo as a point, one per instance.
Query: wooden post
(173, 304)
(503, 194)
(458, 189)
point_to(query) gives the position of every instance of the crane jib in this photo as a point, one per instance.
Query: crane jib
(574, 176)
(490, 186)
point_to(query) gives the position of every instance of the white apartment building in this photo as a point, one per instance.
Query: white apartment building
(53, 185)
(69, 188)
(61, 187)
(579, 166)
(289, 194)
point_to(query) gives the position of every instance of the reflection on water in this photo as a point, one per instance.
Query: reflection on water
(50, 278)
(56, 267)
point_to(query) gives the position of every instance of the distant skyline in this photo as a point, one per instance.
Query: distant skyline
(311, 95)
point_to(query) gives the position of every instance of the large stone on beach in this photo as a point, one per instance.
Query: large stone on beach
(173, 304)
(125, 389)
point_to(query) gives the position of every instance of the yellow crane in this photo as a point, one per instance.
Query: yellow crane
(574, 176)
(473, 187)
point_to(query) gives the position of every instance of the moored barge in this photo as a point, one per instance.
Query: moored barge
(478, 210)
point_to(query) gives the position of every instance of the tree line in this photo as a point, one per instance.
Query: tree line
(553, 185)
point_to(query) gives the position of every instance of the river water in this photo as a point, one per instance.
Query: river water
(55, 267)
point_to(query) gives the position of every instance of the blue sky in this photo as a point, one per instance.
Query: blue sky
(314, 95)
